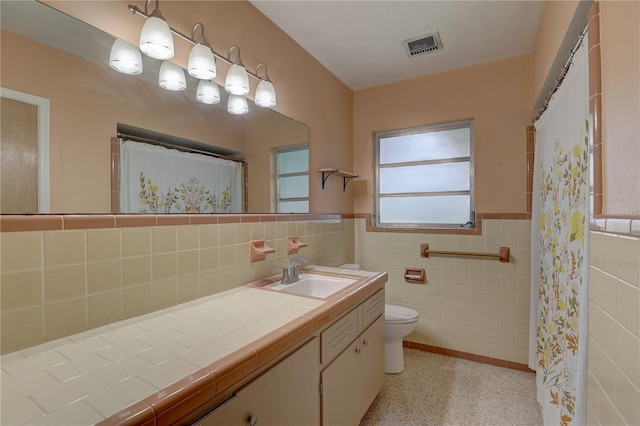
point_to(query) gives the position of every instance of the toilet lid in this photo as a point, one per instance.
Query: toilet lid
(399, 314)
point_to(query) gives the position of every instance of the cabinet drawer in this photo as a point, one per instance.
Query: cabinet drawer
(372, 308)
(339, 335)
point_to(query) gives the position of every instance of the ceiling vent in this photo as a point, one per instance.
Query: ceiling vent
(422, 44)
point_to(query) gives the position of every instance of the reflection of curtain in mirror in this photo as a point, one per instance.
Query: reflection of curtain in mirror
(160, 180)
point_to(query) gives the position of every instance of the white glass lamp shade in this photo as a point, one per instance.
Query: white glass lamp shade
(237, 80)
(125, 57)
(237, 104)
(265, 94)
(208, 92)
(172, 77)
(202, 63)
(155, 39)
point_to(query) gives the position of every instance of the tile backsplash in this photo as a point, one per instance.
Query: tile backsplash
(472, 305)
(613, 392)
(59, 282)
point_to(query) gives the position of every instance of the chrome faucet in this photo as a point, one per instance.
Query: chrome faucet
(290, 273)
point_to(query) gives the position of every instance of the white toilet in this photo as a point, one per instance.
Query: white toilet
(398, 322)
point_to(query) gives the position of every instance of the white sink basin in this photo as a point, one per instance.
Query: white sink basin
(313, 285)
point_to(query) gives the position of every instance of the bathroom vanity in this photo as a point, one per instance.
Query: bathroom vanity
(341, 369)
(250, 355)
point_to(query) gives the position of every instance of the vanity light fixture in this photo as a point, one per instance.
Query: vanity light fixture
(237, 81)
(125, 57)
(156, 40)
(208, 92)
(265, 93)
(237, 104)
(202, 63)
(172, 77)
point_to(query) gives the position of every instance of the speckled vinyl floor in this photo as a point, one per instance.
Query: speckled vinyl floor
(441, 390)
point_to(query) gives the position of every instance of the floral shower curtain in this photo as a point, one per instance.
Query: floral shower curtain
(560, 252)
(160, 180)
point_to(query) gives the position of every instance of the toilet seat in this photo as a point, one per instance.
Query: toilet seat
(399, 315)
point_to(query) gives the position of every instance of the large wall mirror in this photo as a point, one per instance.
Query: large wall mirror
(56, 68)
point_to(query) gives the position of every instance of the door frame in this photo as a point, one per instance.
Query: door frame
(42, 141)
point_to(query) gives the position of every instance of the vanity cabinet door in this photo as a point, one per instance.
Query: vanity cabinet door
(372, 362)
(285, 395)
(352, 381)
(341, 389)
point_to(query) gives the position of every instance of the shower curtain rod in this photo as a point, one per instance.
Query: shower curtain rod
(563, 74)
(170, 145)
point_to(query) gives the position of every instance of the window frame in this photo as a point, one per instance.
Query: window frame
(377, 136)
(277, 175)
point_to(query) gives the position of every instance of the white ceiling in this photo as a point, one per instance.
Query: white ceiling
(360, 42)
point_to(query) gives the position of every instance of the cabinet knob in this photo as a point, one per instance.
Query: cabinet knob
(357, 349)
(252, 420)
(365, 342)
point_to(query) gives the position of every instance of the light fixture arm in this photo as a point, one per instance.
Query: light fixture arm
(201, 39)
(266, 76)
(145, 13)
(156, 12)
(238, 60)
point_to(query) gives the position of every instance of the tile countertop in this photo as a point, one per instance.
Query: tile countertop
(155, 368)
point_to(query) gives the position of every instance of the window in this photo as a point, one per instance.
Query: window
(292, 179)
(424, 176)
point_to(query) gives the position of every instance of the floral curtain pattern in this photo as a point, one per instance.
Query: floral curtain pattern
(559, 262)
(160, 180)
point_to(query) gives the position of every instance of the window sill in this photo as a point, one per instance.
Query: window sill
(370, 227)
(453, 231)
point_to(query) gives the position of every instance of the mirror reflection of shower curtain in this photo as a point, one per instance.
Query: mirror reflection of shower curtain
(159, 180)
(558, 326)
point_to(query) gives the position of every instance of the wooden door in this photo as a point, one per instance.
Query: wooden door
(18, 157)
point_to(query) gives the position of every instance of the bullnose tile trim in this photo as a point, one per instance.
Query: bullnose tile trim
(59, 222)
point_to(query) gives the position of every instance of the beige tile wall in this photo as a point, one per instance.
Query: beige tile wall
(479, 306)
(613, 393)
(55, 283)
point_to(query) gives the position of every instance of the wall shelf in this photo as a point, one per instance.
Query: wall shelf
(346, 176)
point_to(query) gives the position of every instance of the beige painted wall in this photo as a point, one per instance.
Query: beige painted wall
(554, 23)
(620, 50)
(496, 95)
(306, 91)
(84, 120)
(620, 47)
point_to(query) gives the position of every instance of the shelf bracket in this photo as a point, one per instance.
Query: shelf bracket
(345, 181)
(346, 176)
(325, 176)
